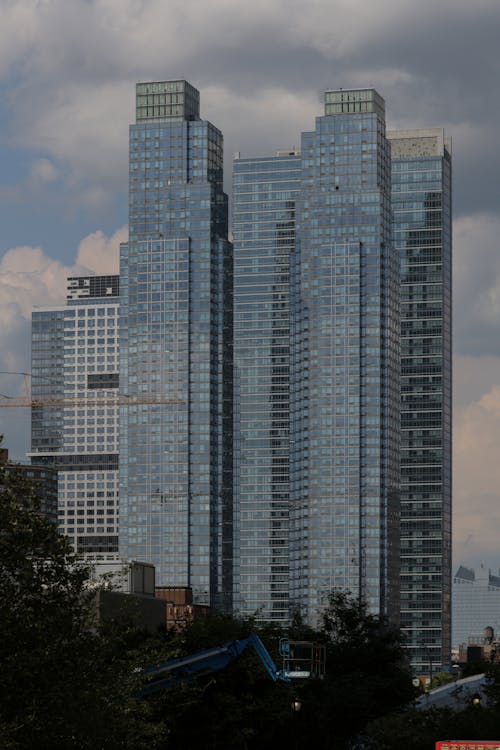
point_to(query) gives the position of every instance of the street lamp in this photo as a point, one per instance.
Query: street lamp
(296, 705)
(476, 699)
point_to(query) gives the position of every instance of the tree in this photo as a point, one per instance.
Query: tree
(420, 729)
(240, 708)
(67, 683)
(63, 682)
(367, 675)
(441, 678)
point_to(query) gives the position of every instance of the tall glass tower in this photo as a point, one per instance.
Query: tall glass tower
(344, 512)
(421, 200)
(175, 355)
(265, 191)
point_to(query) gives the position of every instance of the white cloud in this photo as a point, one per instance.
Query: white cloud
(473, 376)
(477, 479)
(29, 278)
(101, 254)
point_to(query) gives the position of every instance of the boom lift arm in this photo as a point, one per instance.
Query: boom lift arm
(187, 668)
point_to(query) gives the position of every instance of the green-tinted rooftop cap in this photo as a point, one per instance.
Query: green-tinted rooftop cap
(354, 101)
(167, 101)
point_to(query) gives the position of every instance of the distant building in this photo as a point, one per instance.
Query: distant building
(180, 608)
(476, 605)
(127, 576)
(74, 424)
(130, 596)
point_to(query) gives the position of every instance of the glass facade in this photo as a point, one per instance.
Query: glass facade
(476, 605)
(421, 200)
(265, 488)
(316, 347)
(74, 419)
(344, 512)
(264, 193)
(176, 356)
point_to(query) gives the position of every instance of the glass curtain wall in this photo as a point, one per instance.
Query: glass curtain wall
(176, 444)
(345, 364)
(265, 191)
(421, 199)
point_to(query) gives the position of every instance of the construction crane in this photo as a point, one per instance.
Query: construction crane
(113, 398)
(301, 660)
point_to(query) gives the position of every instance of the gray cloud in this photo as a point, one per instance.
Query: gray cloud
(75, 64)
(477, 284)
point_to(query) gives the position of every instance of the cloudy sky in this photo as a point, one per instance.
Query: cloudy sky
(67, 75)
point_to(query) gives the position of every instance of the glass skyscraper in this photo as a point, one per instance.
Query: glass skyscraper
(317, 330)
(264, 194)
(421, 201)
(74, 424)
(175, 360)
(266, 487)
(345, 363)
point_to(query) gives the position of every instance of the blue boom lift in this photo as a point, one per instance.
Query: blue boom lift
(301, 660)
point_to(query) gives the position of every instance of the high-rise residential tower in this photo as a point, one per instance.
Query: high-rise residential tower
(264, 196)
(175, 354)
(421, 202)
(74, 426)
(317, 330)
(345, 363)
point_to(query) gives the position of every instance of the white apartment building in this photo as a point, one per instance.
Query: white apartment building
(75, 415)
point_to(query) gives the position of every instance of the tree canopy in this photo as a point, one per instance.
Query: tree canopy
(66, 682)
(63, 682)
(366, 674)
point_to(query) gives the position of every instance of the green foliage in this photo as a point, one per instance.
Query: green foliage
(63, 683)
(419, 730)
(366, 674)
(441, 678)
(240, 707)
(492, 691)
(66, 683)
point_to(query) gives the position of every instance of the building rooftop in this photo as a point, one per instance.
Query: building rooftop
(354, 101)
(422, 142)
(167, 101)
